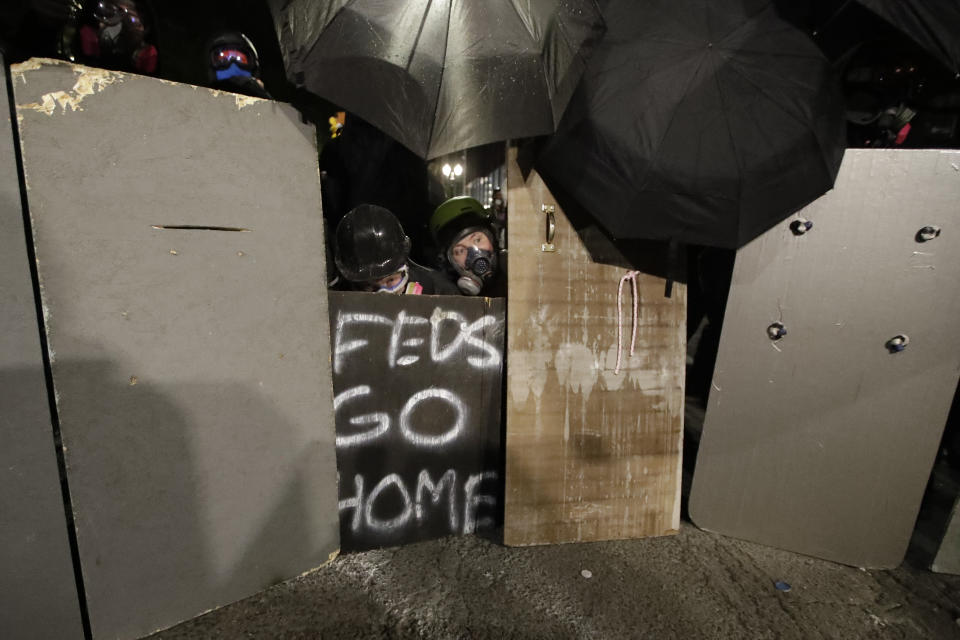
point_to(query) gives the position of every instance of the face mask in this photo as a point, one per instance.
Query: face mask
(233, 71)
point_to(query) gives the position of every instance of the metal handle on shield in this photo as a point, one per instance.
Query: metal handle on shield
(550, 228)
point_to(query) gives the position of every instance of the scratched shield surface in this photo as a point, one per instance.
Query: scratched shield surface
(591, 453)
(179, 242)
(822, 442)
(37, 587)
(418, 412)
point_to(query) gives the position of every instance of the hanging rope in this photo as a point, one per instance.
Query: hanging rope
(632, 277)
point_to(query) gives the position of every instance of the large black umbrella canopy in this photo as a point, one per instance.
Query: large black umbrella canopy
(702, 121)
(441, 75)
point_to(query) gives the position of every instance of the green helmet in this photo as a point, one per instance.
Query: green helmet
(454, 216)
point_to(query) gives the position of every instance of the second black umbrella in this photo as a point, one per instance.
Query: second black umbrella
(703, 122)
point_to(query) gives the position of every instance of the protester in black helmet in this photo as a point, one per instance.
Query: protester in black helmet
(233, 65)
(373, 253)
(114, 35)
(465, 233)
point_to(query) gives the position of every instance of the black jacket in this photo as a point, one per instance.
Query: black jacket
(433, 282)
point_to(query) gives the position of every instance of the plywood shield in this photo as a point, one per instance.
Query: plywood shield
(821, 441)
(418, 382)
(179, 241)
(947, 559)
(591, 454)
(37, 587)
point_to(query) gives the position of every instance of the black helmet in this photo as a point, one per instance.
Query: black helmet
(370, 244)
(231, 53)
(120, 24)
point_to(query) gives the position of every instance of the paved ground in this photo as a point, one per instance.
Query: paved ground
(690, 586)
(694, 585)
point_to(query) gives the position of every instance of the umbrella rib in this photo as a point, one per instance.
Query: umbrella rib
(810, 128)
(558, 26)
(319, 38)
(833, 16)
(416, 41)
(673, 117)
(767, 94)
(682, 43)
(814, 54)
(443, 73)
(543, 70)
(513, 6)
(776, 54)
(747, 19)
(733, 144)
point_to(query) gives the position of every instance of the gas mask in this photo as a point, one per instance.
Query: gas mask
(479, 268)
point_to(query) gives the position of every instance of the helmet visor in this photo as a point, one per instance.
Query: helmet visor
(224, 57)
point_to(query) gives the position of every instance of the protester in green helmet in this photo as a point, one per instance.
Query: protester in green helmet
(464, 232)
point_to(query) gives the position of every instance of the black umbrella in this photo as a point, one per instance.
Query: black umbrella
(441, 75)
(933, 24)
(699, 121)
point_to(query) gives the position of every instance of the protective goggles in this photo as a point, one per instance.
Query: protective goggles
(224, 57)
(399, 286)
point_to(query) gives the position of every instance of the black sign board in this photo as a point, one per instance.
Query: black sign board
(417, 383)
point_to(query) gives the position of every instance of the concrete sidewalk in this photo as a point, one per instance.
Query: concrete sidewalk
(693, 585)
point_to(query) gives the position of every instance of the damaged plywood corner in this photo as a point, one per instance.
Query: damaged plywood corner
(89, 81)
(245, 101)
(591, 454)
(240, 99)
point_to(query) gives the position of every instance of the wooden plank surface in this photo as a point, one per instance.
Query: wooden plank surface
(822, 442)
(590, 454)
(191, 366)
(38, 592)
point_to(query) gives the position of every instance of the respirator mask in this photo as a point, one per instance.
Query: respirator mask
(479, 264)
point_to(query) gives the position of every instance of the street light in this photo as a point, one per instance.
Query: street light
(452, 172)
(453, 178)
